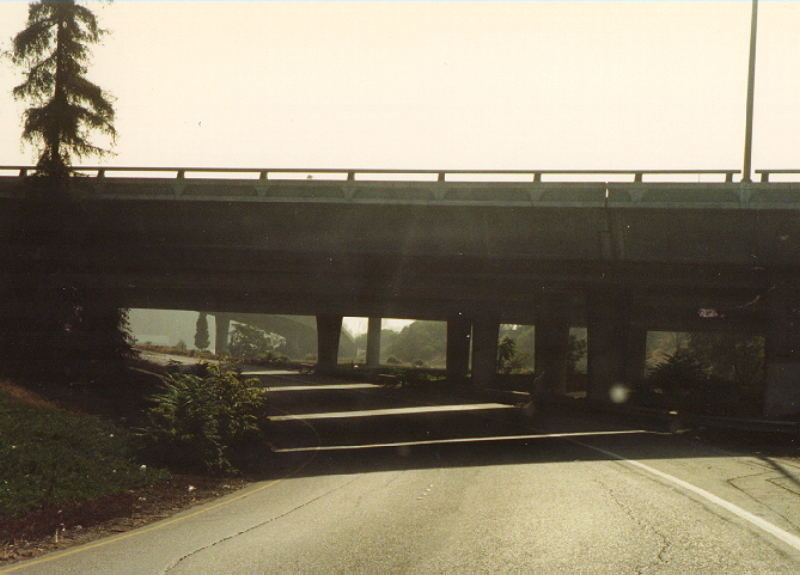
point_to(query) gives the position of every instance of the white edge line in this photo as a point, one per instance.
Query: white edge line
(344, 386)
(393, 411)
(755, 520)
(454, 440)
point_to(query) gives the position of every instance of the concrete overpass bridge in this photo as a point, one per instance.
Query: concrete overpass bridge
(618, 251)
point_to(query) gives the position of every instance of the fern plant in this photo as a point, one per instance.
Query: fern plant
(204, 422)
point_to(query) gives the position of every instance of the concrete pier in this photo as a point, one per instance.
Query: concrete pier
(485, 332)
(551, 348)
(329, 330)
(782, 393)
(374, 342)
(458, 345)
(607, 324)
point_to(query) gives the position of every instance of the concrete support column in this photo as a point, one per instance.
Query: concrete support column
(636, 353)
(607, 323)
(222, 328)
(485, 332)
(458, 339)
(329, 329)
(551, 349)
(374, 342)
(782, 393)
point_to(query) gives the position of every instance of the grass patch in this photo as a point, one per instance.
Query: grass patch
(49, 456)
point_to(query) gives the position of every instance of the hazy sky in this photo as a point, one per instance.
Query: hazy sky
(482, 85)
(438, 84)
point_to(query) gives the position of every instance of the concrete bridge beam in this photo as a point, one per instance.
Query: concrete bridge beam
(485, 332)
(782, 393)
(458, 340)
(374, 342)
(329, 330)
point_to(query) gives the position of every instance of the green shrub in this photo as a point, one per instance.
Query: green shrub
(51, 457)
(683, 381)
(678, 375)
(269, 359)
(204, 422)
(250, 343)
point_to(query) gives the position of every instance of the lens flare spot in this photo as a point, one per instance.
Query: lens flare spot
(619, 393)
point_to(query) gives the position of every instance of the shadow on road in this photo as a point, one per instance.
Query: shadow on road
(329, 426)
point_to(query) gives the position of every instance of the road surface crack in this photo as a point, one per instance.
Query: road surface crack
(177, 562)
(665, 543)
(765, 476)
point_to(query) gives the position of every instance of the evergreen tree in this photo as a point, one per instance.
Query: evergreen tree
(66, 106)
(52, 327)
(201, 340)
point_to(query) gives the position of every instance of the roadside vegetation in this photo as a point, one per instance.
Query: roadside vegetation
(50, 456)
(74, 457)
(705, 373)
(207, 422)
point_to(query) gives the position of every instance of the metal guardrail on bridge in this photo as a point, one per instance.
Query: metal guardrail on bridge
(765, 174)
(371, 174)
(705, 189)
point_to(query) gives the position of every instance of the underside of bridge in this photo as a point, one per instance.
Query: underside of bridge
(620, 269)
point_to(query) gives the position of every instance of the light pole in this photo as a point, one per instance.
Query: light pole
(751, 76)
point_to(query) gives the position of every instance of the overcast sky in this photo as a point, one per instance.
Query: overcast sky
(438, 84)
(477, 85)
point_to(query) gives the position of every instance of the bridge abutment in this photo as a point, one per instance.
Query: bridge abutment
(782, 353)
(329, 330)
(458, 340)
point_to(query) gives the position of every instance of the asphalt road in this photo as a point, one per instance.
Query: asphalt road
(478, 491)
